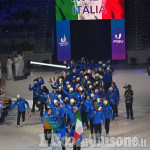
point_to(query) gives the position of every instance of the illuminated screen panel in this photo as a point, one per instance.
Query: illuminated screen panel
(89, 9)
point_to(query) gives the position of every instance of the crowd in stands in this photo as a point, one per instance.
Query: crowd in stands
(18, 22)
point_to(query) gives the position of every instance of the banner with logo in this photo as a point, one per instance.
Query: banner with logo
(89, 9)
(53, 123)
(63, 40)
(118, 39)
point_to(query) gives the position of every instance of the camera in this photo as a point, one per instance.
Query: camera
(126, 86)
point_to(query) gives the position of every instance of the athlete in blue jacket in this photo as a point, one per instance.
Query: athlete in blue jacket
(53, 95)
(57, 108)
(61, 135)
(36, 88)
(98, 118)
(87, 104)
(43, 94)
(111, 96)
(116, 90)
(20, 102)
(108, 113)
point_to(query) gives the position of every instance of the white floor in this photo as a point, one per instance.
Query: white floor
(28, 137)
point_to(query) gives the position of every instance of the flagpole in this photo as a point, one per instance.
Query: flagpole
(49, 65)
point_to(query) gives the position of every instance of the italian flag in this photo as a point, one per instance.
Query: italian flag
(65, 62)
(89, 71)
(80, 88)
(101, 77)
(86, 77)
(64, 72)
(99, 108)
(75, 70)
(99, 100)
(60, 80)
(95, 69)
(57, 72)
(71, 62)
(52, 79)
(78, 127)
(38, 102)
(100, 69)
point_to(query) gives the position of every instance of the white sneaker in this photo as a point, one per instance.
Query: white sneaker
(23, 123)
(107, 135)
(18, 126)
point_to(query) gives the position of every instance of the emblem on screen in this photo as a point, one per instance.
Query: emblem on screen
(118, 39)
(63, 41)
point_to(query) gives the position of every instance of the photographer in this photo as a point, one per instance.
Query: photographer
(129, 101)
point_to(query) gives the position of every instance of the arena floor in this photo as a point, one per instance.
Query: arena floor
(28, 137)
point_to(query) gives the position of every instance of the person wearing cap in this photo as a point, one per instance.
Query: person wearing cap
(111, 96)
(40, 81)
(87, 104)
(60, 100)
(35, 88)
(129, 101)
(73, 83)
(97, 95)
(57, 108)
(90, 116)
(60, 92)
(69, 94)
(67, 83)
(71, 105)
(53, 94)
(47, 132)
(108, 113)
(43, 93)
(77, 80)
(20, 102)
(116, 90)
(72, 115)
(98, 118)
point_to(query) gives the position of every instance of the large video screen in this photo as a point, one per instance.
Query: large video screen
(89, 9)
(77, 10)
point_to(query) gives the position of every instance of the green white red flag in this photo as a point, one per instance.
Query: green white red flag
(99, 108)
(86, 77)
(52, 79)
(99, 100)
(81, 88)
(78, 127)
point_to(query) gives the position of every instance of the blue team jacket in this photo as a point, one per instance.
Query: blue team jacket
(35, 90)
(61, 133)
(108, 112)
(98, 117)
(21, 105)
(57, 111)
(53, 96)
(111, 98)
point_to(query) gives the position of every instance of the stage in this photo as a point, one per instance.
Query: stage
(28, 136)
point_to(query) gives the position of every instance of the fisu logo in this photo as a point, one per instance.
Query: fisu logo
(63, 41)
(118, 39)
